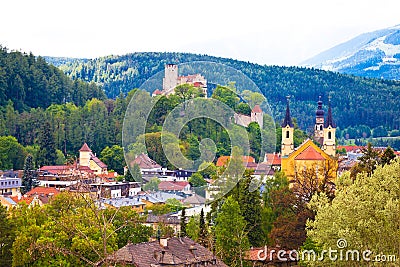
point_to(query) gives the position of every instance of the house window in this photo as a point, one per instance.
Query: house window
(329, 135)
(320, 127)
(287, 134)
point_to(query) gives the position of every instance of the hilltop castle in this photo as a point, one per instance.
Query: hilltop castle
(256, 115)
(172, 80)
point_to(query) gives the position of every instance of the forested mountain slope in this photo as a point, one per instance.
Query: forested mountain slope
(356, 101)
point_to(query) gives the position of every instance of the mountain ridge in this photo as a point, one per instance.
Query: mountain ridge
(374, 54)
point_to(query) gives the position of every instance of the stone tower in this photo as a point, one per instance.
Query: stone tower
(257, 115)
(170, 80)
(287, 133)
(319, 123)
(329, 142)
(85, 155)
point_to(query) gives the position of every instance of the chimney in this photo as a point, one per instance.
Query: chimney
(192, 249)
(164, 242)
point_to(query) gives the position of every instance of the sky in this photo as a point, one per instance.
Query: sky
(271, 32)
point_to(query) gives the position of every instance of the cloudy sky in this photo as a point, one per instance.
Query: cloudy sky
(272, 32)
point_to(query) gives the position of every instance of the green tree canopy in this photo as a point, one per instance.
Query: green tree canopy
(114, 158)
(230, 234)
(366, 214)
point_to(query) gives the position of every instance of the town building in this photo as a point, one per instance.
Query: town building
(10, 186)
(89, 159)
(117, 189)
(165, 252)
(150, 169)
(296, 160)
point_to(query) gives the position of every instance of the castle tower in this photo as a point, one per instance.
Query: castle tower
(319, 123)
(170, 80)
(329, 143)
(84, 155)
(287, 133)
(257, 115)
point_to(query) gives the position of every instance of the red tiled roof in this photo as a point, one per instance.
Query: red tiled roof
(274, 159)
(157, 92)
(251, 165)
(350, 148)
(222, 161)
(145, 162)
(27, 200)
(85, 148)
(172, 186)
(85, 169)
(257, 109)
(99, 162)
(54, 168)
(309, 154)
(47, 191)
(198, 84)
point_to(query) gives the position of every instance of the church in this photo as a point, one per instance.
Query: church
(318, 156)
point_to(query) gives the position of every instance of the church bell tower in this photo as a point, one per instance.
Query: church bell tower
(287, 133)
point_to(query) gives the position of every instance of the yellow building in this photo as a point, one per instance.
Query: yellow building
(88, 159)
(309, 161)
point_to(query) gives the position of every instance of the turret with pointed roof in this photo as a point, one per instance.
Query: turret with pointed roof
(85, 148)
(329, 119)
(288, 119)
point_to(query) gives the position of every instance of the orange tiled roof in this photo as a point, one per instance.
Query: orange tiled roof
(309, 154)
(27, 200)
(224, 159)
(274, 159)
(40, 190)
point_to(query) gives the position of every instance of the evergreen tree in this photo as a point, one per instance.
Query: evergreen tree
(47, 154)
(183, 222)
(128, 176)
(387, 156)
(250, 205)
(203, 233)
(136, 173)
(28, 178)
(367, 162)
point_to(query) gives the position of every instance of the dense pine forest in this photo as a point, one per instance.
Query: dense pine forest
(359, 104)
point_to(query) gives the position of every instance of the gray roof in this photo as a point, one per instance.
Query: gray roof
(178, 252)
(122, 202)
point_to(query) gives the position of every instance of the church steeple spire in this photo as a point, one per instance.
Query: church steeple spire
(329, 119)
(288, 119)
